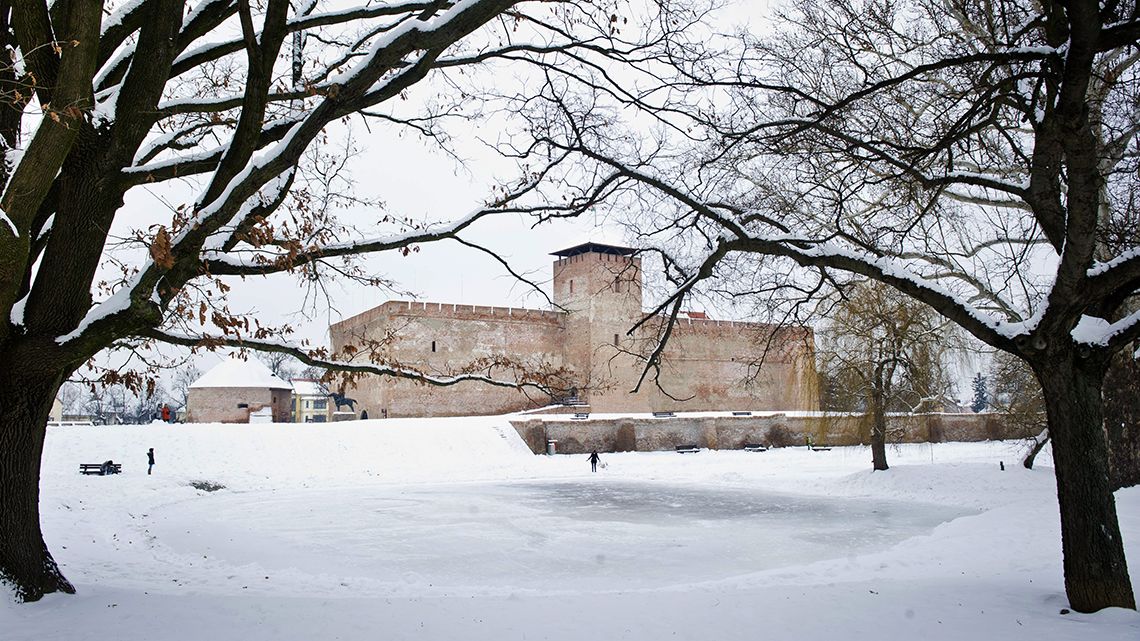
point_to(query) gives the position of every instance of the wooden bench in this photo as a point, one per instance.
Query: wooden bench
(742, 413)
(663, 414)
(580, 416)
(98, 468)
(755, 447)
(819, 448)
(687, 449)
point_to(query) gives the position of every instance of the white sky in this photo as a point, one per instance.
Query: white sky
(417, 181)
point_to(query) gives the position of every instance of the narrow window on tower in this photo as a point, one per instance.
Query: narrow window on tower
(433, 346)
(615, 340)
(571, 287)
(617, 284)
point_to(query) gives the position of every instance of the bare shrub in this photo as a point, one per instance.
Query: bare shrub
(207, 486)
(780, 436)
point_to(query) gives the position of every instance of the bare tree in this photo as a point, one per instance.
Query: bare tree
(887, 350)
(71, 397)
(98, 405)
(145, 406)
(102, 101)
(313, 373)
(280, 364)
(1016, 395)
(973, 156)
(184, 377)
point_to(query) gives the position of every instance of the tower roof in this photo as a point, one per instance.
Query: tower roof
(594, 248)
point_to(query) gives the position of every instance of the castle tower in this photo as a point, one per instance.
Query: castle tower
(708, 364)
(599, 286)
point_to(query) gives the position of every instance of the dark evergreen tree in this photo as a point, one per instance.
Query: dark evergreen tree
(981, 396)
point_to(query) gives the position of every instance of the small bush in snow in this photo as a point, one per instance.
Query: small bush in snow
(207, 486)
(780, 436)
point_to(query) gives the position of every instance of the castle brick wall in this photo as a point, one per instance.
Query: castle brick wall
(737, 366)
(463, 335)
(707, 364)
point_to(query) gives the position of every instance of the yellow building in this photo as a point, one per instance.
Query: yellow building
(310, 401)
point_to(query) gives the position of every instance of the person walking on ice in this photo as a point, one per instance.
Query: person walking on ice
(594, 461)
(149, 460)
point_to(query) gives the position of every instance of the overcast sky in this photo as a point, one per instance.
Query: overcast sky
(415, 180)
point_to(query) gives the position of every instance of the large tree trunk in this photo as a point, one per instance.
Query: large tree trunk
(1122, 418)
(25, 563)
(878, 434)
(1096, 573)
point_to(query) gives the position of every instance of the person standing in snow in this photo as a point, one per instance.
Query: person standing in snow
(150, 460)
(594, 461)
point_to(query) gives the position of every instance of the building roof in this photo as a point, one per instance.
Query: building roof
(308, 387)
(595, 248)
(233, 372)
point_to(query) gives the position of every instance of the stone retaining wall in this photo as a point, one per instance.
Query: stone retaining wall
(645, 434)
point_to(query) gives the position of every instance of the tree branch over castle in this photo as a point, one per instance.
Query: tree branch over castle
(240, 107)
(979, 159)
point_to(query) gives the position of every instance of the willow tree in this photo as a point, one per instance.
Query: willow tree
(887, 350)
(101, 101)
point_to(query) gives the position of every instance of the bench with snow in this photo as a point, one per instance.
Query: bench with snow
(819, 448)
(687, 449)
(102, 469)
(755, 447)
(742, 413)
(663, 415)
(580, 416)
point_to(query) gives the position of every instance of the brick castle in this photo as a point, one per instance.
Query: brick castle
(708, 365)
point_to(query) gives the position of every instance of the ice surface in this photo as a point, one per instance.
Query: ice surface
(581, 535)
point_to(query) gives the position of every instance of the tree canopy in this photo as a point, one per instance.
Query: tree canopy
(980, 158)
(236, 106)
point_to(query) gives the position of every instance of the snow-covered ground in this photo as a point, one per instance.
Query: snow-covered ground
(451, 529)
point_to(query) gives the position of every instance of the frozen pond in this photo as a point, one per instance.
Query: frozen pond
(547, 535)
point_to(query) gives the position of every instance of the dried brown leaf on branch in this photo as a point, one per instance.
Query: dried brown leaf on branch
(160, 249)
